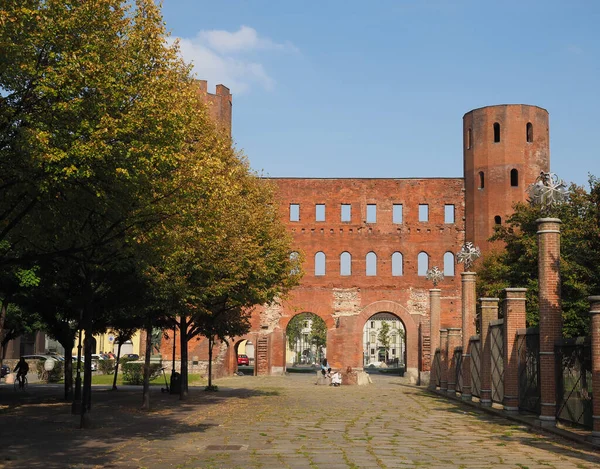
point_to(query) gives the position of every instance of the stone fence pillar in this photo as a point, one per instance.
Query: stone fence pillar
(454, 341)
(595, 333)
(444, 360)
(514, 319)
(434, 328)
(468, 329)
(489, 312)
(550, 312)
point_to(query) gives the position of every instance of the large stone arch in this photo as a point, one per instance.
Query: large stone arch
(412, 330)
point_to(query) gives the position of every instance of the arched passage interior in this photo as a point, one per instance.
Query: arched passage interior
(306, 340)
(384, 341)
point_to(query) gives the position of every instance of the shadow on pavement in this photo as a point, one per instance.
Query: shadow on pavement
(38, 429)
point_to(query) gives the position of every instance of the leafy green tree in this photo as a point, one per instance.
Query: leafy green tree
(384, 336)
(517, 264)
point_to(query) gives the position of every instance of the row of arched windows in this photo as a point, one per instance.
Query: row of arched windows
(514, 178)
(528, 134)
(371, 264)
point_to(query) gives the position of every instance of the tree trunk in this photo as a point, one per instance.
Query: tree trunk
(210, 349)
(3, 310)
(68, 345)
(146, 392)
(86, 396)
(114, 386)
(183, 345)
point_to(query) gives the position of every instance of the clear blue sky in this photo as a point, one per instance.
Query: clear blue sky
(378, 89)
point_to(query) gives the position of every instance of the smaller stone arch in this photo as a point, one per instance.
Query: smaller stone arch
(306, 340)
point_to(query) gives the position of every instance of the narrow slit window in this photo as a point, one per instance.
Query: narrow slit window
(529, 132)
(346, 212)
(371, 213)
(422, 264)
(481, 180)
(294, 212)
(448, 213)
(496, 132)
(498, 220)
(345, 264)
(423, 212)
(319, 264)
(469, 137)
(371, 264)
(397, 267)
(397, 213)
(514, 178)
(320, 212)
(448, 264)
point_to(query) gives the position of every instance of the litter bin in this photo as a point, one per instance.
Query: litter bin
(175, 385)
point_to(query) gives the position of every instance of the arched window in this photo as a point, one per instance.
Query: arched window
(371, 264)
(423, 264)
(498, 220)
(320, 264)
(529, 132)
(397, 267)
(496, 132)
(345, 263)
(294, 259)
(481, 180)
(449, 264)
(514, 178)
(469, 138)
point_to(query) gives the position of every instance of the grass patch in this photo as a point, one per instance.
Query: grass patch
(107, 380)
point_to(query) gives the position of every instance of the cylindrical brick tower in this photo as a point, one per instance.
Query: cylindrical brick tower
(505, 149)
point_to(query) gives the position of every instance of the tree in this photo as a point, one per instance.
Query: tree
(516, 265)
(384, 336)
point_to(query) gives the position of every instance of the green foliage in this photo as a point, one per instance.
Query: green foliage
(211, 388)
(384, 335)
(516, 265)
(106, 367)
(133, 373)
(53, 376)
(317, 332)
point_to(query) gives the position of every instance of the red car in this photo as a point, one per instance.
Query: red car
(243, 360)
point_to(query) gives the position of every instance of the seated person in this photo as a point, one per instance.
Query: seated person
(336, 379)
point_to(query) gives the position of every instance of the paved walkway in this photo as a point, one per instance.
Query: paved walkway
(276, 422)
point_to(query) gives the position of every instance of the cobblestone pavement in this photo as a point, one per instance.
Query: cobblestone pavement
(273, 422)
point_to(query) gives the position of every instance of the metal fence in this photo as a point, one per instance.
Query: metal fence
(528, 350)
(574, 381)
(475, 366)
(497, 358)
(458, 353)
(437, 367)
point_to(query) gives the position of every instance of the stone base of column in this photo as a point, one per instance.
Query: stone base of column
(595, 438)
(510, 409)
(485, 402)
(466, 397)
(486, 397)
(546, 421)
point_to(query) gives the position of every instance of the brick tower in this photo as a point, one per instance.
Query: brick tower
(505, 148)
(219, 105)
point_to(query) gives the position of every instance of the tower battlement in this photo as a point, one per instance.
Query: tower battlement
(219, 105)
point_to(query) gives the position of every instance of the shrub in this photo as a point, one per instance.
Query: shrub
(106, 367)
(52, 376)
(133, 373)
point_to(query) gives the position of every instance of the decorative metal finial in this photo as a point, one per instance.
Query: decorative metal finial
(548, 191)
(435, 275)
(467, 255)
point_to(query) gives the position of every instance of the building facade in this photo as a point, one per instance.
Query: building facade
(368, 244)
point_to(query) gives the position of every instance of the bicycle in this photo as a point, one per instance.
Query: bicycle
(20, 385)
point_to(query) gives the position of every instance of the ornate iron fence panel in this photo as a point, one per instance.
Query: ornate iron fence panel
(437, 366)
(458, 365)
(475, 366)
(528, 358)
(497, 358)
(574, 381)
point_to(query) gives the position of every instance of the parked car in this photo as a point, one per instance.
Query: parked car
(243, 360)
(94, 362)
(132, 356)
(5, 371)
